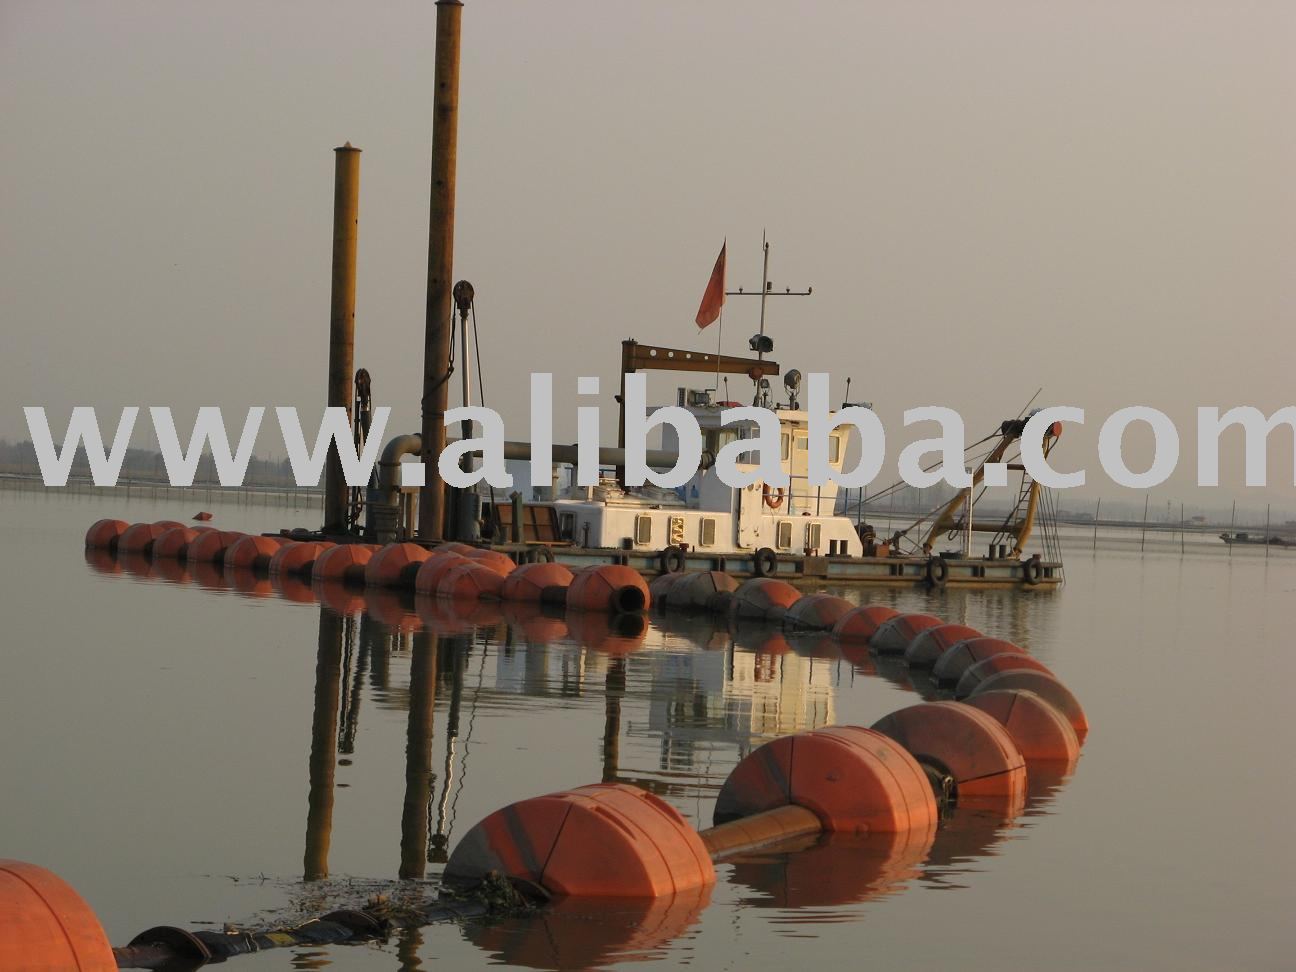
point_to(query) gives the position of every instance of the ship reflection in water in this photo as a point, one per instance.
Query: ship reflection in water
(682, 699)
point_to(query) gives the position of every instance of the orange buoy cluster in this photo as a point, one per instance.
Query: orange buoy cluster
(453, 571)
(851, 780)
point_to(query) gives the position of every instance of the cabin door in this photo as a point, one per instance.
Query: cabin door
(749, 517)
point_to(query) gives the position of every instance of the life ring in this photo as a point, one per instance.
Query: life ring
(1032, 571)
(772, 501)
(765, 562)
(937, 571)
(671, 559)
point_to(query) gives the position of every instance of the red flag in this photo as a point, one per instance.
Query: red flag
(714, 297)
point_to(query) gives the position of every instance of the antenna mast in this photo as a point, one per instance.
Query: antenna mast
(759, 342)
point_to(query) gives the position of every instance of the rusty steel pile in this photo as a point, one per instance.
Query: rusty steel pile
(887, 784)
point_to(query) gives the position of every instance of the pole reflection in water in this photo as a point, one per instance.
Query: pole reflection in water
(324, 735)
(408, 943)
(418, 756)
(369, 644)
(458, 648)
(614, 685)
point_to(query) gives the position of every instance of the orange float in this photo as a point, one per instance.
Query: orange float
(168, 524)
(608, 588)
(660, 586)
(210, 547)
(855, 780)
(45, 926)
(499, 562)
(763, 597)
(969, 745)
(645, 848)
(395, 565)
(893, 636)
(297, 559)
(1046, 687)
(252, 552)
(172, 544)
(139, 537)
(929, 645)
(345, 562)
(861, 623)
(470, 580)
(1041, 732)
(103, 534)
(974, 675)
(526, 583)
(700, 590)
(433, 569)
(962, 656)
(817, 612)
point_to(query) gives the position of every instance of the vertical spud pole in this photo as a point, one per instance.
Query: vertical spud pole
(436, 351)
(346, 218)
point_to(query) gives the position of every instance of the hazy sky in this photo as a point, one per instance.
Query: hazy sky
(1094, 197)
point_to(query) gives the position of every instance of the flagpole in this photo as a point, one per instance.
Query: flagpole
(719, 338)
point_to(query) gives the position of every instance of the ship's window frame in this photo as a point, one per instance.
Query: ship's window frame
(814, 535)
(783, 534)
(801, 441)
(567, 526)
(642, 530)
(834, 449)
(785, 446)
(707, 531)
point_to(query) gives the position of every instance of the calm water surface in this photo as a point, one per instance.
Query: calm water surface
(156, 751)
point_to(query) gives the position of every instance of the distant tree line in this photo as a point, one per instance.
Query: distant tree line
(144, 465)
